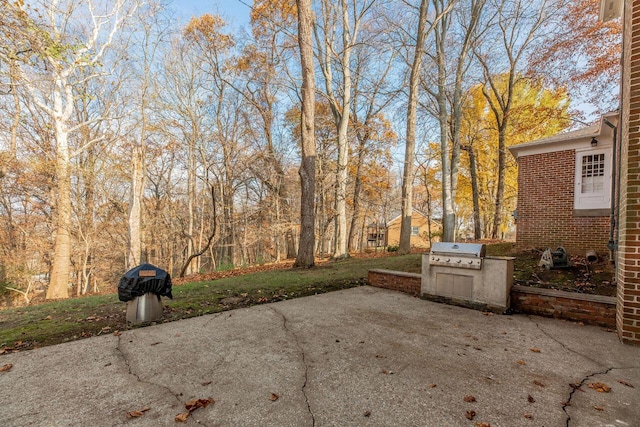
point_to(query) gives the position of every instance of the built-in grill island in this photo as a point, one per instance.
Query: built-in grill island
(461, 274)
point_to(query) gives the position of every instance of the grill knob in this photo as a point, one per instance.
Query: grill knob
(470, 261)
(459, 261)
(448, 259)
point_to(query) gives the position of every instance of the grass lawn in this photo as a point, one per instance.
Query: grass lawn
(66, 320)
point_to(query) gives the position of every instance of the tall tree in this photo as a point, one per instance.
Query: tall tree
(348, 16)
(150, 35)
(59, 48)
(306, 246)
(424, 27)
(518, 24)
(410, 140)
(455, 35)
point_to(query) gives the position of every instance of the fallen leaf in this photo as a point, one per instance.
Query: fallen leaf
(108, 364)
(194, 404)
(528, 416)
(531, 399)
(274, 397)
(136, 414)
(182, 417)
(117, 333)
(206, 383)
(598, 408)
(470, 415)
(535, 350)
(156, 343)
(600, 387)
(367, 413)
(521, 362)
(432, 386)
(6, 368)
(538, 383)
(469, 399)
(478, 424)
(626, 383)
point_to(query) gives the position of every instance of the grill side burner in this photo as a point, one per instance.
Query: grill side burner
(459, 273)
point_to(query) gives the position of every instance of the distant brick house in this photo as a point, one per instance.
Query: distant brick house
(564, 189)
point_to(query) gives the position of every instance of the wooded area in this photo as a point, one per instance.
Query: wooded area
(126, 137)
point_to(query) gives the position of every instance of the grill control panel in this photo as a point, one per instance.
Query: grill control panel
(456, 261)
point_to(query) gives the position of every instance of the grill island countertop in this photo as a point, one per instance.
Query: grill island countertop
(460, 273)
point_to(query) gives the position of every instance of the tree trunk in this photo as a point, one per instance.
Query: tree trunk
(502, 161)
(16, 114)
(475, 190)
(135, 205)
(307, 170)
(357, 188)
(410, 148)
(61, 268)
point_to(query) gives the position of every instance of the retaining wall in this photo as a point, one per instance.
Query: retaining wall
(589, 309)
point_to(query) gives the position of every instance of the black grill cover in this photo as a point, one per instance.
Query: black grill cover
(143, 279)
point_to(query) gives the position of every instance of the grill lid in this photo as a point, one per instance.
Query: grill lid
(476, 250)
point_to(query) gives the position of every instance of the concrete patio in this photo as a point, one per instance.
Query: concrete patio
(359, 357)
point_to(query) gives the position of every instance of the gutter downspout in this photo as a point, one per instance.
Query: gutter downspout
(615, 175)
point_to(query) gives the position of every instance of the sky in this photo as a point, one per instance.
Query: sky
(234, 12)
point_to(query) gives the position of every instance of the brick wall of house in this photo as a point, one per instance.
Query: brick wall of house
(628, 262)
(545, 207)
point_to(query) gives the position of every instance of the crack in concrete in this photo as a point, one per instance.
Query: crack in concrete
(563, 345)
(214, 316)
(573, 390)
(124, 357)
(304, 362)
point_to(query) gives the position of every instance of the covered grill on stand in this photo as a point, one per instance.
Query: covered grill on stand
(141, 288)
(462, 274)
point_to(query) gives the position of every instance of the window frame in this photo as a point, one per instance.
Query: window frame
(596, 199)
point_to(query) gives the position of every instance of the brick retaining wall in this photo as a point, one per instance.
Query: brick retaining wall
(589, 309)
(409, 283)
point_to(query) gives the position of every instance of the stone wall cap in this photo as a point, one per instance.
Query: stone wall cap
(563, 294)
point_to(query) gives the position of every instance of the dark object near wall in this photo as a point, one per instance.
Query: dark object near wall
(143, 279)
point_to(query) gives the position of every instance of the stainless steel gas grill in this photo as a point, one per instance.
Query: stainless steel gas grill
(460, 255)
(462, 274)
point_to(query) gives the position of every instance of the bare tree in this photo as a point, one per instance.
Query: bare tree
(518, 24)
(306, 246)
(452, 51)
(55, 57)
